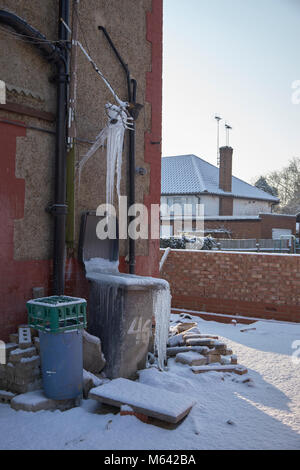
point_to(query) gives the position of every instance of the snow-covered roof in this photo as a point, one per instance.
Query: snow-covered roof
(189, 174)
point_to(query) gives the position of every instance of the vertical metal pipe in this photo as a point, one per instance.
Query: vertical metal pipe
(60, 208)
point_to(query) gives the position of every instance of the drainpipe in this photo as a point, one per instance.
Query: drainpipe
(132, 180)
(53, 54)
(59, 209)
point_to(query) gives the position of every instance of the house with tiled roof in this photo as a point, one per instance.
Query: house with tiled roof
(230, 206)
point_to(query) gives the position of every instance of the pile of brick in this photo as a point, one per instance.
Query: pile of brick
(21, 373)
(202, 352)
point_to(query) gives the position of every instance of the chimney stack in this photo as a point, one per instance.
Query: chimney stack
(225, 171)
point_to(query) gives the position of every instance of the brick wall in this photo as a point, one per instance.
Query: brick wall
(226, 205)
(237, 228)
(249, 284)
(269, 221)
(253, 228)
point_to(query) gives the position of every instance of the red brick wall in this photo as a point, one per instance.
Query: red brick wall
(238, 228)
(249, 284)
(259, 228)
(269, 221)
(16, 277)
(226, 205)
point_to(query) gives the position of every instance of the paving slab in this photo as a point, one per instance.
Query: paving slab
(181, 327)
(189, 335)
(200, 342)
(150, 401)
(236, 369)
(171, 352)
(6, 397)
(37, 401)
(17, 354)
(191, 358)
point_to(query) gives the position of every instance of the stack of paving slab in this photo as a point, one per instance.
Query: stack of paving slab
(22, 372)
(202, 352)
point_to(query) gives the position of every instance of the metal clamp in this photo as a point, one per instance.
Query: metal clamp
(57, 209)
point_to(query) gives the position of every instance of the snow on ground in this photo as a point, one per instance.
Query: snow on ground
(261, 414)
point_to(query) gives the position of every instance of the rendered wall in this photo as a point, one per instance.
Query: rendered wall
(250, 207)
(249, 284)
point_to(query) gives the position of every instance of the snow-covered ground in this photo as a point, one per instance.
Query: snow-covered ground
(261, 414)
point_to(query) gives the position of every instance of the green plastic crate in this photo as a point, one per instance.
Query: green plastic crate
(57, 313)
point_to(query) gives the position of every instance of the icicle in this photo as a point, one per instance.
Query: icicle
(162, 310)
(99, 142)
(114, 134)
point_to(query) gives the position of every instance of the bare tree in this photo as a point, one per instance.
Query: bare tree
(287, 184)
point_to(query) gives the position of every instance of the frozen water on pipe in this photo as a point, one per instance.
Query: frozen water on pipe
(113, 133)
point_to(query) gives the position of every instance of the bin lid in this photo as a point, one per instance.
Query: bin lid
(90, 246)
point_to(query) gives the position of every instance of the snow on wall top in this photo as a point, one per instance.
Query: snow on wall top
(189, 174)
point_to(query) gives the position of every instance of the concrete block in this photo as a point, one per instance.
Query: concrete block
(6, 397)
(17, 354)
(26, 377)
(89, 381)
(171, 352)
(236, 369)
(24, 337)
(2, 370)
(181, 327)
(213, 358)
(189, 335)
(194, 330)
(36, 341)
(4, 383)
(14, 338)
(225, 360)
(191, 358)
(25, 388)
(220, 345)
(233, 359)
(9, 347)
(228, 352)
(30, 362)
(176, 340)
(93, 358)
(200, 342)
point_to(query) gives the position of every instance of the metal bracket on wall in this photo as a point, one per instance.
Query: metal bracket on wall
(141, 171)
(57, 209)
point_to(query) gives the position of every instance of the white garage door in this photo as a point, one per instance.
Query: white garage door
(278, 232)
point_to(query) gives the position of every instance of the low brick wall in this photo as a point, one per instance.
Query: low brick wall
(249, 284)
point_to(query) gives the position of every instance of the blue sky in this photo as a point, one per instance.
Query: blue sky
(237, 58)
